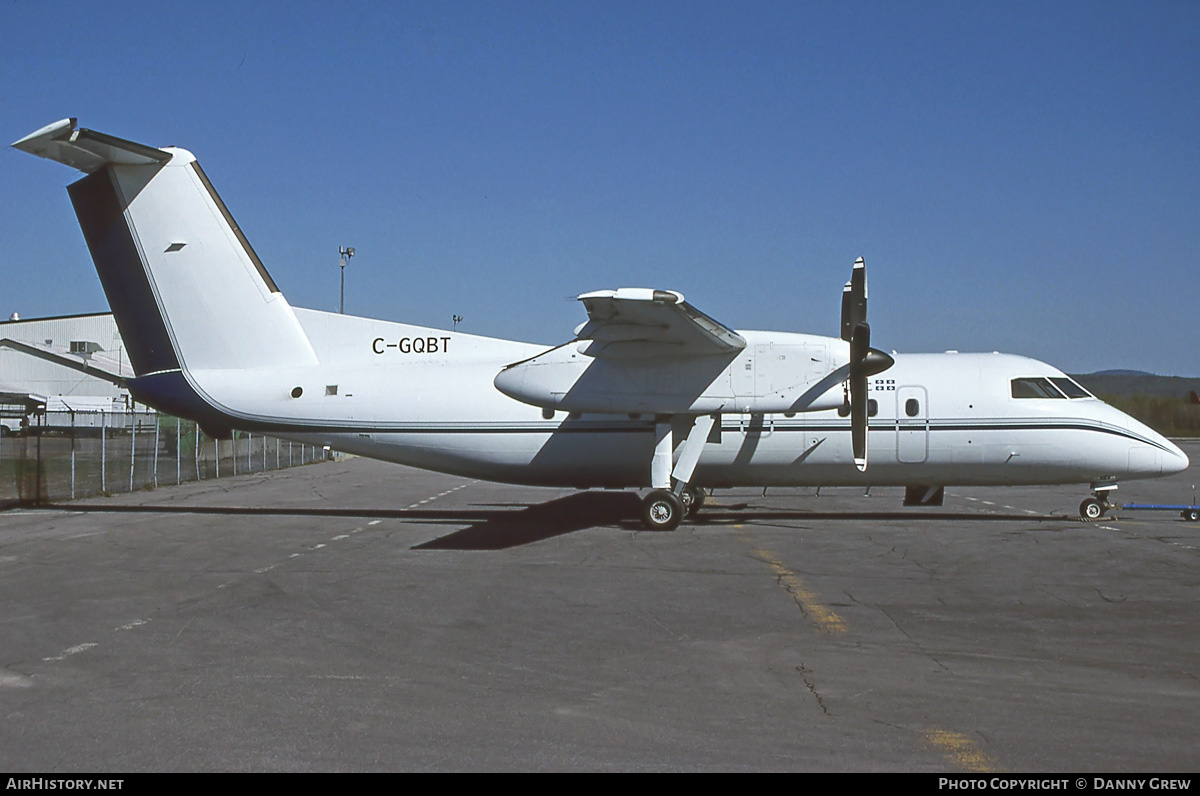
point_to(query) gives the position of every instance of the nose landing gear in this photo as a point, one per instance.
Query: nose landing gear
(1098, 505)
(1093, 508)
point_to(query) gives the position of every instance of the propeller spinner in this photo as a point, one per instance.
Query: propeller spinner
(864, 360)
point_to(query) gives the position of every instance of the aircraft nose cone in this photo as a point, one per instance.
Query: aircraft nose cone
(1176, 461)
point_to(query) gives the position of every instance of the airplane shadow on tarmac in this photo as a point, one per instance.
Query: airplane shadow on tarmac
(502, 526)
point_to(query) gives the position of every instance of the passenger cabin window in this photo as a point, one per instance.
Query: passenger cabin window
(872, 407)
(1034, 388)
(912, 407)
(1070, 387)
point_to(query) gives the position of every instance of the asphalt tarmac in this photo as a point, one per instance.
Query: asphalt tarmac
(355, 616)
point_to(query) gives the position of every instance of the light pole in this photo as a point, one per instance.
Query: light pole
(347, 252)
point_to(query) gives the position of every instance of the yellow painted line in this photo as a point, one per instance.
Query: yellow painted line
(960, 750)
(824, 618)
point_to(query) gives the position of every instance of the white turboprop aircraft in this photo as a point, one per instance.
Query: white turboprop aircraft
(650, 393)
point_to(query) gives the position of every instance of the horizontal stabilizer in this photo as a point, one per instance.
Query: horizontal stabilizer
(87, 150)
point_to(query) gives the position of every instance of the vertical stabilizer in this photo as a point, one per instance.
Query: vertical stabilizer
(186, 288)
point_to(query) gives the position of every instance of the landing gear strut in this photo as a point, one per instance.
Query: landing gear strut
(673, 496)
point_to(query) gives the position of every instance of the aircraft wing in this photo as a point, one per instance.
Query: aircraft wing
(640, 322)
(87, 150)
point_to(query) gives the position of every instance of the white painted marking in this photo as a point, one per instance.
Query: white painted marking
(374, 522)
(72, 651)
(340, 537)
(435, 497)
(133, 624)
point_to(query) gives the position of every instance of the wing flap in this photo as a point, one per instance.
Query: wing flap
(640, 322)
(87, 150)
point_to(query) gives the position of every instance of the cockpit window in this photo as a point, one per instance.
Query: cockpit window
(1070, 387)
(1034, 388)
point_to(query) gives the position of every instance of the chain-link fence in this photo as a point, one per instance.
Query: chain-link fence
(67, 455)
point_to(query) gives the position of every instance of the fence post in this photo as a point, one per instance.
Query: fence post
(196, 449)
(37, 495)
(217, 456)
(156, 450)
(178, 465)
(249, 448)
(132, 446)
(103, 451)
(72, 454)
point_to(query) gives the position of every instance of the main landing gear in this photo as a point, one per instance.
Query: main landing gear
(674, 497)
(663, 510)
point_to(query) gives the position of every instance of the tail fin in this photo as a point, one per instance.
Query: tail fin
(186, 289)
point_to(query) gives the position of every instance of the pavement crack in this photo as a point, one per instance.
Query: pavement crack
(1108, 599)
(806, 676)
(913, 641)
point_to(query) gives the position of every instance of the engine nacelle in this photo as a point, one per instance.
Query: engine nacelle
(804, 374)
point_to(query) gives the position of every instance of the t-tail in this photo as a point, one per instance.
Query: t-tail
(187, 291)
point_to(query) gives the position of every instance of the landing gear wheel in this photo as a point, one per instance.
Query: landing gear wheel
(1192, 515)
(662, 511)
(1092, 509)
(692, 498)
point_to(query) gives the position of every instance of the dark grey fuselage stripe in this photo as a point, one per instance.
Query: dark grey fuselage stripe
(176, 391)
(1014, 425)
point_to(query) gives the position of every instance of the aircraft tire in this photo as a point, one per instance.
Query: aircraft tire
(1192, 514)
(692, 499)
(1091, 509)
(662, 511)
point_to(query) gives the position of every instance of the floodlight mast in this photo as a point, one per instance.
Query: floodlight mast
(346, 253)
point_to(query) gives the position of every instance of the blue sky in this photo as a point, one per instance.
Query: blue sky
(1022, 177)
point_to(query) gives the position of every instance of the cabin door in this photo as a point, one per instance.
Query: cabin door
(912, 424)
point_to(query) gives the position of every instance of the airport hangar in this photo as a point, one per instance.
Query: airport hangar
(69, 363)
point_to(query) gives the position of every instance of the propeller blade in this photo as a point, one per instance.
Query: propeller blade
(864, 360)
(860, 348)
(854, 299)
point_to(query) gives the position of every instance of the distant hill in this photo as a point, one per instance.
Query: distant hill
(1122, 373)
(1134, 382)
(1165, 403)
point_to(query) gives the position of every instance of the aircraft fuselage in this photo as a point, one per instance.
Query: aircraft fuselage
(935, 418)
